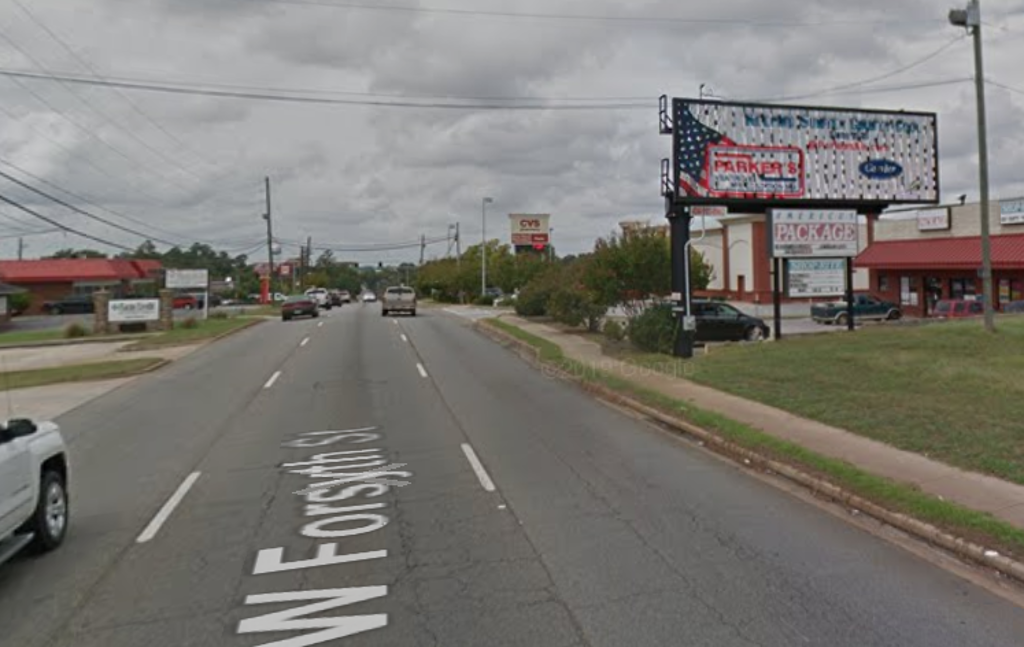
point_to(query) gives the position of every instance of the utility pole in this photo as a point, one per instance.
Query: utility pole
(270, 243)
(458, 247)
(970, 19)
(21, 248)
(483, 246)
(423, 247)
(309, 260)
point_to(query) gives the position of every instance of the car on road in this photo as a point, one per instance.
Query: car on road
(33, 487)
(346, 296)
(185, 302)
(398, 299)
(321, 296)
(72, 304)
(299, 306)
(723, 322)
(335, 298)
(369, 297)
(957, 309)
(866, 307)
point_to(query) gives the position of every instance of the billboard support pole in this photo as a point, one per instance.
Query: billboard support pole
(679, 237)
(851, 325)
(777, 296)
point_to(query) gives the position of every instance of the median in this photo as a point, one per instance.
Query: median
(979, 536)
(78, 373)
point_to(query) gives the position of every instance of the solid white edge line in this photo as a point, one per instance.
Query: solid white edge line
(304, 341)
(272, 380)
(423, 371)
(405, 339)
(481, 473)
(165, 512)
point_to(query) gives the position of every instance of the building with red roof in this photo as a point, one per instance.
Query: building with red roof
(919, 257)
(54, 279)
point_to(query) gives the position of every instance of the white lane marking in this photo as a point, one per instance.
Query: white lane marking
(304, 341)
(272, 380)
(394, 321)
(320, 325)
(405, 339)
(423, 371)
(165, 512)
(481, 473)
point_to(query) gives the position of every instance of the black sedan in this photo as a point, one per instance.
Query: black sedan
(299, 306)
(723, 322)
(74, 304)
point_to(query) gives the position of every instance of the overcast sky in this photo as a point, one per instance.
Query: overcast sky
(185, 168)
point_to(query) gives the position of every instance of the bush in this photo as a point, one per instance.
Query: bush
(75, 331)
(220, 314)
(576, 308)
(190, 323)
(654, 330)
(19, 303)
(483, 300)
(614, 330)
(533, 300)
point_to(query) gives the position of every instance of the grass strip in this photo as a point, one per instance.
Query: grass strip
(958, 520)
(76, 373)
(182, 336)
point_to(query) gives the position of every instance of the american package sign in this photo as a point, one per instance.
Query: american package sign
(813, 233)
(734, 151)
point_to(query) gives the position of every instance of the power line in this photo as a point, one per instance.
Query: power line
(196, 91)
(88, 66)
(876, 90)
(1004, 86)
(39, 232)
(676, 20)
(63, 227)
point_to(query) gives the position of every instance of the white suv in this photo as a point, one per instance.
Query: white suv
(34, 475)
(321, 296)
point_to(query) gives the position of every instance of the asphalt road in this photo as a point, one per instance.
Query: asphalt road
(599, 530)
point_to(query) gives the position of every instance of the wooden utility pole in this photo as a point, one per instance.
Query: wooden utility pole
(270, 242)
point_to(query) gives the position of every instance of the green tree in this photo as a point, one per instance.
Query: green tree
(76, 253)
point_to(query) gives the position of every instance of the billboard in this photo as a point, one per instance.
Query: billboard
(1011, 212)
(813, 233)
(731, 152)
(121, 311)
(817, 277)
(181, 279)
(530, 229)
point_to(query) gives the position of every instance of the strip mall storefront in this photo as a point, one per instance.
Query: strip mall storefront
(920, 257)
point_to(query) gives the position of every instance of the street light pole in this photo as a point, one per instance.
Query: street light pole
(483, 247)
(970, 18)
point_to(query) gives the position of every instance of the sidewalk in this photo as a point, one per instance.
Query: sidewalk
(24, 359)
(1002, 499)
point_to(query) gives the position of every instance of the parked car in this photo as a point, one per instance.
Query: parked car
(321, 296)
(865, 307)
(346, 296)
(957, 309)
(1014, 307)
(215, 300)
(34, 481)
(723, 322)
(73, 304)
(335, 298)
(299, 306)
(398, 299)
(185, 302)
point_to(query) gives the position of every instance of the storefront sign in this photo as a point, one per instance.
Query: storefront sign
(820, 277)
(933, 219)
(133, 310)
(184, 279)
(1011, 212)
(813, 233)
(530, 229)
(741, 152)
(709, 212)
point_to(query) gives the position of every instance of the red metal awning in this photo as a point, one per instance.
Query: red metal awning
(942, 253)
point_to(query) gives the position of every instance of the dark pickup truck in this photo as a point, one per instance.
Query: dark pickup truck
(865, 308)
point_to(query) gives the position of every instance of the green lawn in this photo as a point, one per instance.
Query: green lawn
(958, 520)
(947, 391)
(76, 373)
(16, 337)
(204, 331)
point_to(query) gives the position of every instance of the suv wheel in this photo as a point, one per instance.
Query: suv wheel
(894, 315)
(754, 333)
(841, 319)
(49, 523)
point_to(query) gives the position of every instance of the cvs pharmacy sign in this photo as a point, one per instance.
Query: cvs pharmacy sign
(530, 229)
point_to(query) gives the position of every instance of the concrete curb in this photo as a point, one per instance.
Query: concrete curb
(112, 339)
(957, 545)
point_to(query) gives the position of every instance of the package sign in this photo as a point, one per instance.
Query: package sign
(120, 311)
(1011, 212)
(530, 229)
(817, 277)
(743, 152)
(933, 219)
(183, 279)
(813, 233)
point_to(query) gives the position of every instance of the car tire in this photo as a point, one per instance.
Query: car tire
(383, 313)
(49, 522)
(316, 314)
(412, 313)
(894, 315)
(285, 318)
(754, 333)
(841, 319)
(55, 310)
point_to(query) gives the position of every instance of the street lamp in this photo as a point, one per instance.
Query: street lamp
(483, 248)
(970, 19)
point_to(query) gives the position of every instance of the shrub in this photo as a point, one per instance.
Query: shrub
(483, 300)
(576, 308)
(654, 330)
(19, 303)
(614, 330)
(75, 331)
(220, 314)
(190, 323)
(533, 300)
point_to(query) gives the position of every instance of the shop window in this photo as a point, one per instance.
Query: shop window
(962, 288)
(883, 282)
(908, 291)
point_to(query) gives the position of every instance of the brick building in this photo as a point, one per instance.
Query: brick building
(53, 279)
